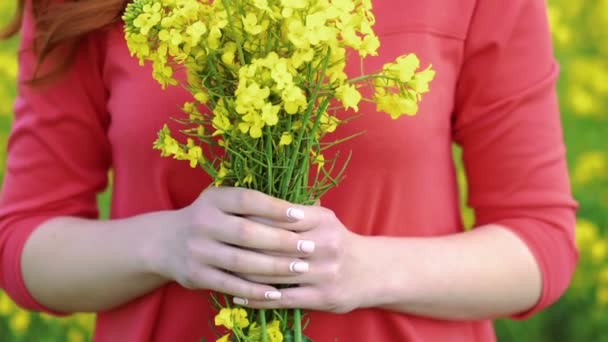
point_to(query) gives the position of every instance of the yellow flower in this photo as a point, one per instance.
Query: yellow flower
(349, 96)
(280, 73)
(223, 338)
(328, 123)
(75, 335)
(403, 68)
(252, 123)
(286, 139)
(201, 97)
(589, 166)
(270, 114)
(273, 331)
(219, 179)
(318, 159)
(195, 155)
(229, 53)
(20, 321)
(163, 74)
(420, 82)
(6, 305)
(290, 5)
(248, 179)
(369, 46)
(148, 18)
(191, 109)
(250, 23)
(586, 232)
(86, 321)
(230, 317)
(599, 251)
(395, 105)
(220, 120)
(602, 295)
(250, 97)
(196, 31)
(294, 99)
(167, 144)
(603, 276)
(301, 56)
(213, 39)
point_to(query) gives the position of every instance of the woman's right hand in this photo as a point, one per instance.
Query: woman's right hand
(222, 233)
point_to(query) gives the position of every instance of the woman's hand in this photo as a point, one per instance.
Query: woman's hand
(337, 269)
(213, 239)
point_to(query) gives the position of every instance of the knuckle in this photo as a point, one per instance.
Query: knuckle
(333, 245)
(202, 215)
(245, 232)
(191, 249)
(255, 293)
(287, 300)
(327, 214)
(333, 300)
(188, 278)
(224, 285)
(331, 273)
(234, 261)
(245, 198)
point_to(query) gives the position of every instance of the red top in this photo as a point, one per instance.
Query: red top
(494, 94)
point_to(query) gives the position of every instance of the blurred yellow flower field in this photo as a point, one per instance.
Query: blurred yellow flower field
(580, 30)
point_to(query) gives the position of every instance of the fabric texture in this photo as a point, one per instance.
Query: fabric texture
(494, 95)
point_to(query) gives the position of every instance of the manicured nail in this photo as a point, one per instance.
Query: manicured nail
(306, 246)
(273, 295)
(298, 267)
(240, 301)
(295, 213)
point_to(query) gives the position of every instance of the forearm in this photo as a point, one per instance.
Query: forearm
(486, 273)
(72, 264)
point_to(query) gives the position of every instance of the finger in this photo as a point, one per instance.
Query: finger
(283, 280)
(246, 202)
(306, 297)
(249, 234)
(304, 225)
(243, 261)
(223, 282)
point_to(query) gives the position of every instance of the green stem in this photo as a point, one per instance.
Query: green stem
(237, 38)
(372, 76)
(297, 325)
(262, 321)
(298, 141)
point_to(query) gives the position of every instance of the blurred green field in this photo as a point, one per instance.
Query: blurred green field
(580, 32)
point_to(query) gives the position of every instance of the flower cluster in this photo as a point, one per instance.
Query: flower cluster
(268, 86)
(267, 70)
(236, 319)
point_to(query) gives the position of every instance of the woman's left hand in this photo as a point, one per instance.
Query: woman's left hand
(332, 278)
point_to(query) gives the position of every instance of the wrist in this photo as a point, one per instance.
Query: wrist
(390, 279)
(153, 253)
(371, 285)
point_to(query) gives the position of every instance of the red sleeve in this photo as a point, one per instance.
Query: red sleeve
(58, 156)
(508, 123)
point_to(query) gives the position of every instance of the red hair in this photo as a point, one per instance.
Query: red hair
(61, 25)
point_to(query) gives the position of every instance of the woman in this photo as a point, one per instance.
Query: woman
(386, 257)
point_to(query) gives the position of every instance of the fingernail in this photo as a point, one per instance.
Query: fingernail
(295, 213)
(273, 295)
(298, 267)
(240, 301)
(306, 246)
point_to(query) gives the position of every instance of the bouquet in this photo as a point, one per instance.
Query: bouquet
(268, 81)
